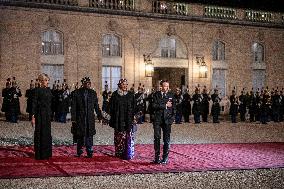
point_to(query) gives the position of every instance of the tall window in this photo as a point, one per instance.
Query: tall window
(218, 50)
(52, 43)
(168, 48)
(111, 75)
(111, 45)
(258, 52)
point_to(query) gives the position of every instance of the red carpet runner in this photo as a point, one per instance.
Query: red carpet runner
(18, 162)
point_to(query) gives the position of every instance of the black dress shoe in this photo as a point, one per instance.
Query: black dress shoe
(89, 155)
(164, 161)
(157, 161)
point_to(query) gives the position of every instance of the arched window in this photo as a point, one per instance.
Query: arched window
(52, 43)
(111, 45)
(218, 50)
(258, 52)
(168, 47)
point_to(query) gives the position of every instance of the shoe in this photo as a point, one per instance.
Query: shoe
(164, 161)
(79, 153)
(157, 160)
(89, 155)
(165, 158)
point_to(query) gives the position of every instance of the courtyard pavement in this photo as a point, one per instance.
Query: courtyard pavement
(189, 133)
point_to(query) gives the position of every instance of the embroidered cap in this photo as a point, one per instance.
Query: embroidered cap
(85, 80)
(121, 81)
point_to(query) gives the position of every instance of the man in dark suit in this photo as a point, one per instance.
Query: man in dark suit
(84, 102)
(164, 115)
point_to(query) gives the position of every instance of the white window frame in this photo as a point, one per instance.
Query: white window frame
(110, 79)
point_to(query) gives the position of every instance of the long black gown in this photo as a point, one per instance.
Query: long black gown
(41, 109)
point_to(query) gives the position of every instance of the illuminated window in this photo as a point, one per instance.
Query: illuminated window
(52, 43)
(111, 45)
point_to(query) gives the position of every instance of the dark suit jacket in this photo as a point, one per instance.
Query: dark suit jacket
(161, 114)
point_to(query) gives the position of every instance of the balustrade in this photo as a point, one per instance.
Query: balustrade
(258, 16)
(164, 7)
(220, 12)
(113, 4)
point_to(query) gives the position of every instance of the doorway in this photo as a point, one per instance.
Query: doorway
(175, 76)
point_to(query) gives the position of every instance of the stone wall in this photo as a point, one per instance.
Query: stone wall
(20, 50)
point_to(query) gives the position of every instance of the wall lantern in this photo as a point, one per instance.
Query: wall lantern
(149, 66)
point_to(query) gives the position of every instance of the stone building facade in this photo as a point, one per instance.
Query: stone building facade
(237, 50)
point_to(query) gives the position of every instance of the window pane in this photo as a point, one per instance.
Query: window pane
(106, 39)
(222, 51)
(105, 76)
(52, 43)
(55, 37)
(116, 76)
(164, 43)
(258, 52)
(172, 43)
(106, 50)
(164, 53)
(114, 40)
(215, 48)
(172, 53)
(111, 45)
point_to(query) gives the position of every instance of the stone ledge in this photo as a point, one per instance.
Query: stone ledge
(141, 14)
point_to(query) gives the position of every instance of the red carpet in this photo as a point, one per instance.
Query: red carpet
(18, 162)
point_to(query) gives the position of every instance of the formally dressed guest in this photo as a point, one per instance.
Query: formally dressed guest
(196, 108)
(14, 93)
(258, 103)
(106, 95)
(73, 126)
(121, 110)
(6, 99)
(234, 107)
(29, 96)
(84, 103)
(41, 119)
(186, 106)
(205, 105)
(264, 107)
(216, 108)
(276, 105)
(178, 98)
(164, 115)
(150, 105)
(140, 103)
(281, 99)
(63, 103)
(252, 106)
(242, 105)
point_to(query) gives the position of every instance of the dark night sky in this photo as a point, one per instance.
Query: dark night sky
(266, 5)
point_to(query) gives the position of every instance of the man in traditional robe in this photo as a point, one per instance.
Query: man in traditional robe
(84, 103)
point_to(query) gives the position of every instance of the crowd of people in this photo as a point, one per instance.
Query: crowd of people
(261, 105)
(121, 107)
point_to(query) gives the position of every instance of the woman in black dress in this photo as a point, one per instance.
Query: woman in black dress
(41, 119)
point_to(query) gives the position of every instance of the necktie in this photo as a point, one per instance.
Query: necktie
(164, 95)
